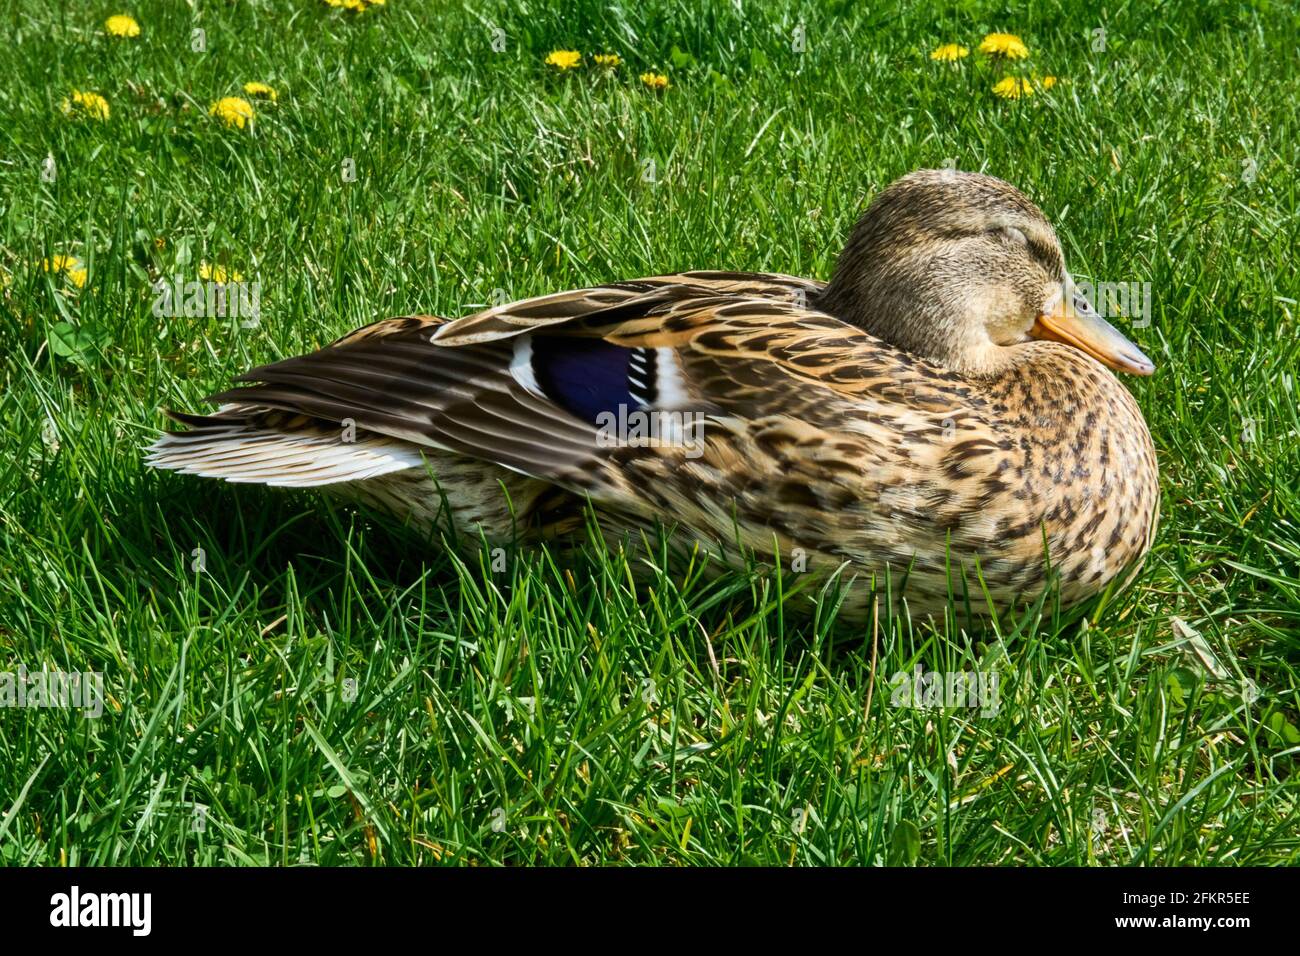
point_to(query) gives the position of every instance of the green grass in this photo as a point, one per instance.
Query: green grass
(556, 713)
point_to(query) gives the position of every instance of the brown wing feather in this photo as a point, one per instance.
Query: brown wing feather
(747, 347)
(403, 386)
(608, 306)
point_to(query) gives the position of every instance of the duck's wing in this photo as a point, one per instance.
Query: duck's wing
(550, 387)
(609, 303)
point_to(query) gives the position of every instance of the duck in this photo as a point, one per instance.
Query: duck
(941, 419)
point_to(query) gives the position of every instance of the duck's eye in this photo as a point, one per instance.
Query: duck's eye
(1015, 235)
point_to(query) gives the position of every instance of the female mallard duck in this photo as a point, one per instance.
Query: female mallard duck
(942, 404)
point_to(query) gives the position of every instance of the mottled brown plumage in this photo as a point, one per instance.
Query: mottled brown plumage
(922, 413)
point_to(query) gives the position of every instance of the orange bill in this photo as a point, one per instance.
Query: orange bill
(1072, 320)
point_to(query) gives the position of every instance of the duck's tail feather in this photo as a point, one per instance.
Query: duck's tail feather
(261, 446)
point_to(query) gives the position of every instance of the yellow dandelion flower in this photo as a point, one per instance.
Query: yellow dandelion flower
(233, 111)
(1047, 82)
(261, 90)
(949, 52)
(87, 104)
(607, 60)
(656, 81)
(70, 266)
(121, 25)
(564, 59)
(218, 274)
(1012, 88)
(1004, 44)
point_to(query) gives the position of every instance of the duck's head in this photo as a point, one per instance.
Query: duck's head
(962, 269)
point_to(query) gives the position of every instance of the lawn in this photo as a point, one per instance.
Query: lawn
(290, 682)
